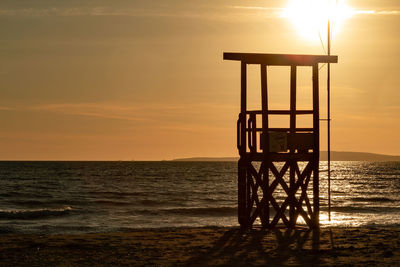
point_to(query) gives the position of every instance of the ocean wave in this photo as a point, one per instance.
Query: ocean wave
(27, 201)
(34, 213)
(6, 229)
(109, 202)
(371, 199)
(210, 211)
(151, 202)
(365, 209)
(232, 211)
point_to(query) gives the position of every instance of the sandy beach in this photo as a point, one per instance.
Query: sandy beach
(206, 246)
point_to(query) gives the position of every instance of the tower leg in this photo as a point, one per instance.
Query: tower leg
(316, 193)
(265, 208)
(292, 194)
(242, 193)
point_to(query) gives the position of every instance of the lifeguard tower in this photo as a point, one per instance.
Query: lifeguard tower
(270, 157)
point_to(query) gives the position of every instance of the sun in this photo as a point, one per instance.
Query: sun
(310, 17)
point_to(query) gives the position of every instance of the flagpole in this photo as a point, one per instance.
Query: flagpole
(329, 120)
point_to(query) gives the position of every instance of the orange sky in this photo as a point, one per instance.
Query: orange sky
(145, 80)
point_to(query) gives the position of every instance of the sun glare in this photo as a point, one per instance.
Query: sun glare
(310, 17)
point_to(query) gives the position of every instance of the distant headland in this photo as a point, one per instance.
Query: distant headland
(335, 156)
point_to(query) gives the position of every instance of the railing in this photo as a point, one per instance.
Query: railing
(253, 138)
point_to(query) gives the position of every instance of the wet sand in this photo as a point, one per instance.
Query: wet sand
(206, 246)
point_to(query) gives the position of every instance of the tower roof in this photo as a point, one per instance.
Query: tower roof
(280, 59)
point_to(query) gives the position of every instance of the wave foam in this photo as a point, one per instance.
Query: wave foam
(33, 213)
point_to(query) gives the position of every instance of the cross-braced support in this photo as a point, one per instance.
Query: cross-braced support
(275, 176)
(259, 196)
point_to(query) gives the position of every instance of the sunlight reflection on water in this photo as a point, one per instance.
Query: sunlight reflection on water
(112, 196)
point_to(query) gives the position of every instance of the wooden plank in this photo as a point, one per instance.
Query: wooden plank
(279, 214)
(293, 74)
(254, 188)
(315, 161)
(298, 171)
(291, 199)
(243, 88)
(297, 204)
(289, 112)
(280, 59)
(250, 133)
(256, 213)
(279, 157)
(253, 133)
(292, 191)
(280, 211)
(264, 109)
(305, 217)
(242, 192)
(305, 186)
(253, 195)
(265, 208)
(255, 174)
(262, 207)
(239, 133)
(287, 129)
(243, 106)
(293, 163)
(279, 112)
(316, 111)
(304, 197)
(264, 95)
(276, 173)
(249, 204)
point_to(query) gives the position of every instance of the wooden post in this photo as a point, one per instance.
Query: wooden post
(316, 145)
(252, 134)
(293, 74)
(249, 205)
(264, 113)
(243, 107)
(242, 203)
(242, 164)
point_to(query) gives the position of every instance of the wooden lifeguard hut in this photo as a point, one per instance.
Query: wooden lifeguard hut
(270, 157)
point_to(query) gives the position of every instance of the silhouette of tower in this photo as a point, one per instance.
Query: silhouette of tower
(276, 162)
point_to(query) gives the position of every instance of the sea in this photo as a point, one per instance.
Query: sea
(58, 197)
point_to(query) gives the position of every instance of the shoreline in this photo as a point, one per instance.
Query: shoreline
(200, 246)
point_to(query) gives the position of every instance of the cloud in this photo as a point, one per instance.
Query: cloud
(258, 8)
(277, 11)
(376, 12)
(99, 11)
(393, 107)
(2, 108)
(225, 13)
(264, 12)
(165, 117)
(210, 12)
(168, 116)
(99, 110)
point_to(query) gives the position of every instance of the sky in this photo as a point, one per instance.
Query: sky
(145, 80)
